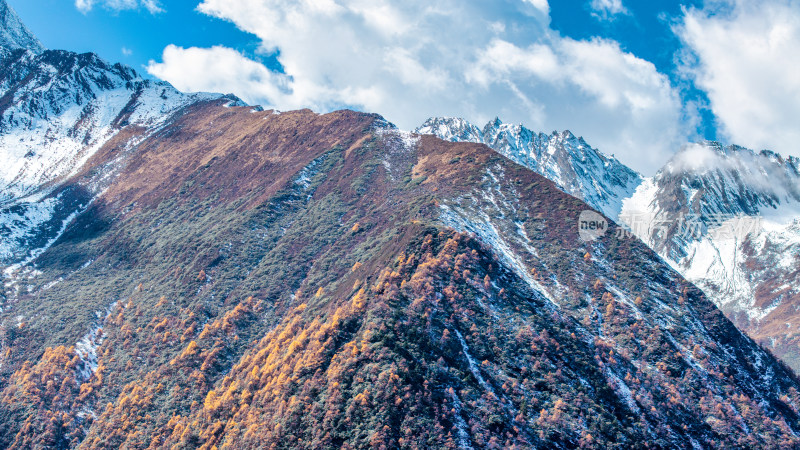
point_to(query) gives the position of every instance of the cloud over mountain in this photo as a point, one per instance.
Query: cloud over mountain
(452, 58)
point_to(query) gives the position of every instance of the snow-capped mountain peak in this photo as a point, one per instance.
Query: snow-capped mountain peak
(576, 167)
(60, 109)
(725, 217)
(711, 178)
(14, 34)
(451, 129)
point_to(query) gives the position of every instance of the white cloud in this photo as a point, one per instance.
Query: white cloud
(223, 70)
(541, 5)
(414, 59)
(698, 158)
(757, 170)
(126, 51)
(502, 60)
(153, 6)
(607, 9)
(745, 56)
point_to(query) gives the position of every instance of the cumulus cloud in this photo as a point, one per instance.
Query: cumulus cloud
(744, 55)
(541, 5)
(153, 6)
(224, 70)
(607, 9)
(415, 59)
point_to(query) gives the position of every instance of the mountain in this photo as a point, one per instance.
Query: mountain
(14, 35)
(57, 110)
(578, 169)
(223, 276)
(254, 279)
(727, 218)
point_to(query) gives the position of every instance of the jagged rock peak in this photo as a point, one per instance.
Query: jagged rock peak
(576, 167)
(14, 34)
(451, 129)
(707, 156)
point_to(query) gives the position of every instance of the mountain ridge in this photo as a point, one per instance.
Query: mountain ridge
(724, 216)
(57, 109)
(568, 160)
(14, 35)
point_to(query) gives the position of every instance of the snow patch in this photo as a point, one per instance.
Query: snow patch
(86, 347)
(488, 233)
(622, 389)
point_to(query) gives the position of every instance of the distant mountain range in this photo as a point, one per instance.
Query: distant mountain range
(727, 218)
(186, 271)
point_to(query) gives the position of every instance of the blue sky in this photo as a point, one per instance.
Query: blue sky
(106, 31)
(636, 79)
(645, 31)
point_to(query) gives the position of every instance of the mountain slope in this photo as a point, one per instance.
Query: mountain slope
(57, 109)
(725, 218)
(14, 35)
(728, 219)
(255, 279)
(570, 162)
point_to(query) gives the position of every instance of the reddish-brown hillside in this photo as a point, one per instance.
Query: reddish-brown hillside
(252, 279)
